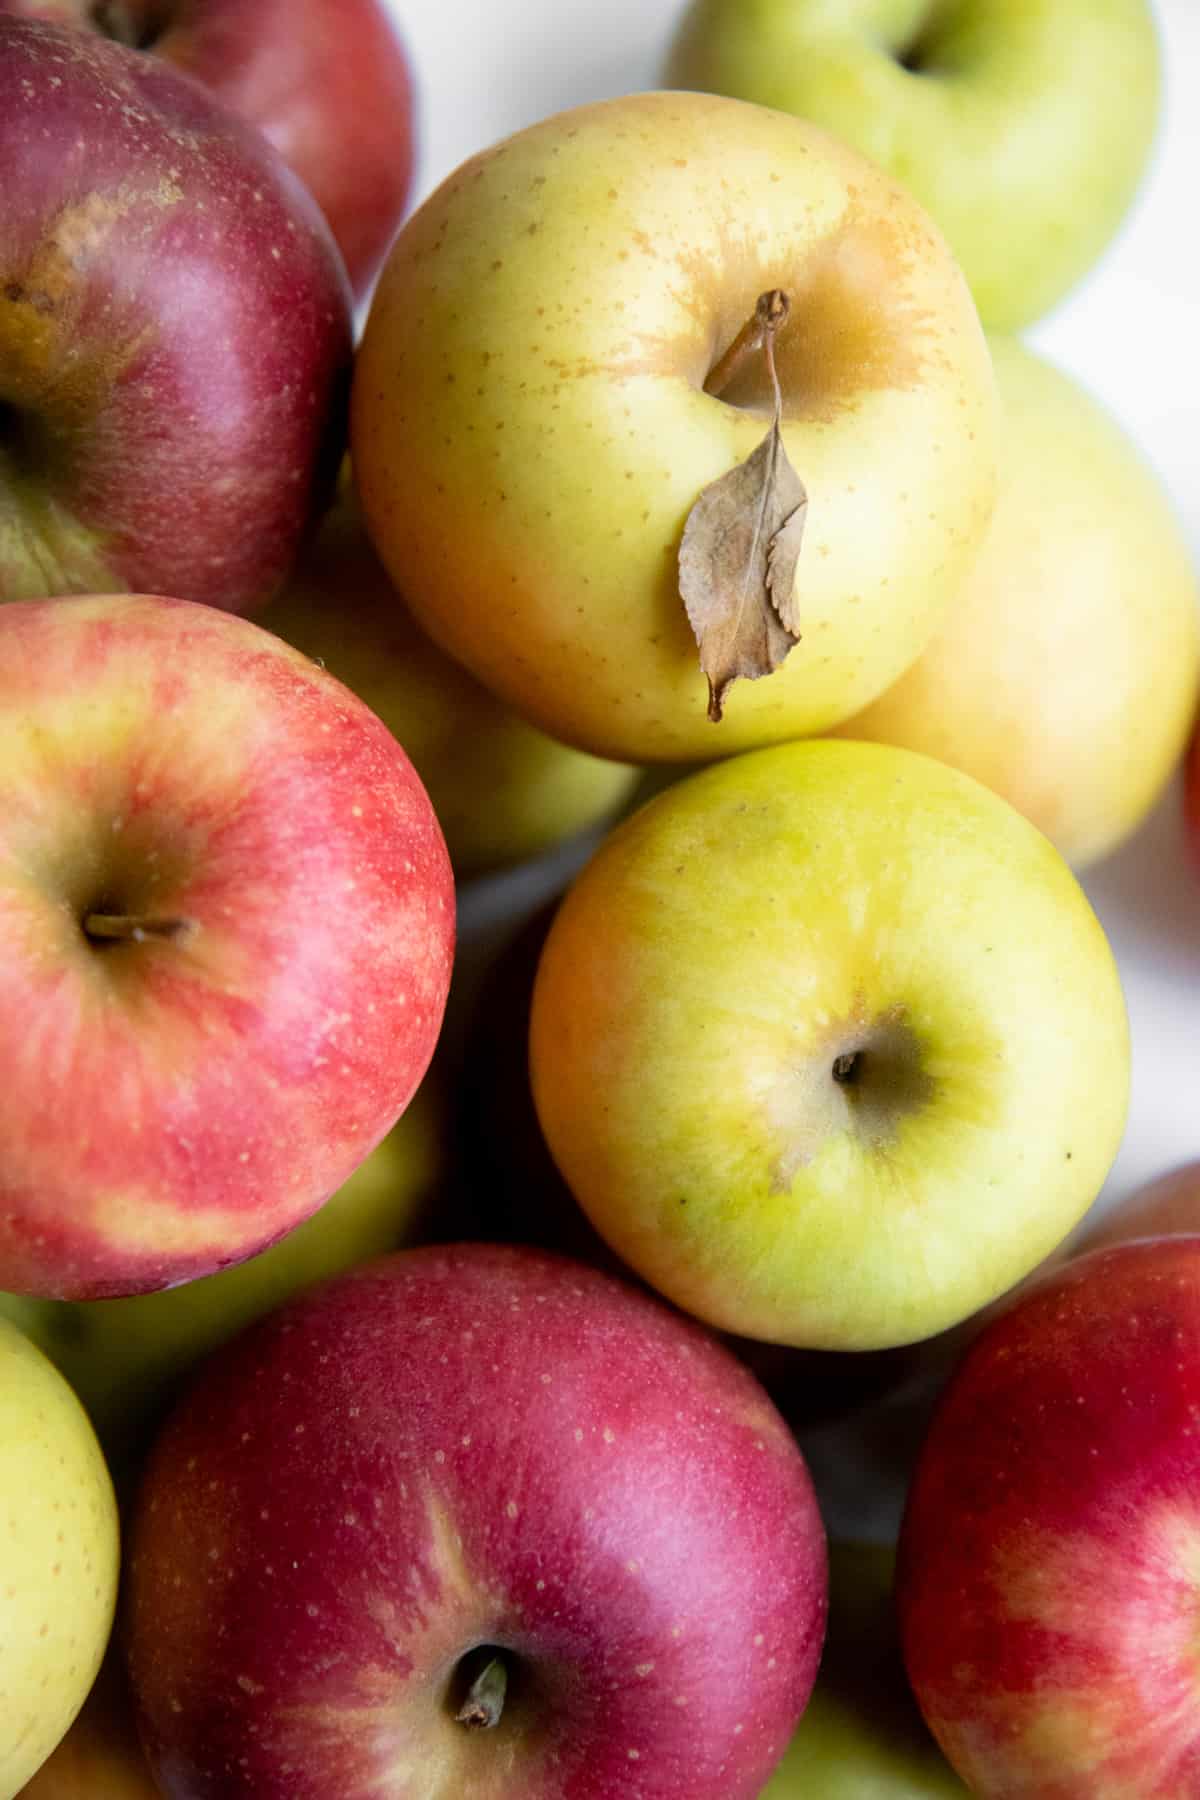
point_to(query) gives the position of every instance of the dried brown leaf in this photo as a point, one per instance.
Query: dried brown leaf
(737, 568)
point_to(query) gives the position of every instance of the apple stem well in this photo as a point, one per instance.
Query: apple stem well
(111, 928)
(484, 1702)
(741, 542)
(125, 24)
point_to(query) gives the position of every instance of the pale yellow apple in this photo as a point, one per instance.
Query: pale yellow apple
(1023, 125)
(100, 1758)
(530, 427)
(502, 790)
(1067, 676)
(59, 1557)
(123, 1357)
(829, 1044)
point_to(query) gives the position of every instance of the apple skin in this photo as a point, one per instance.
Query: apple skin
(1046, 1579)
(502, 790)
(1166, 1207)
(862, 1736)
(100, 1758)
(1067, 676)
(169, 1106)
(530, 431)
(328, 84)
(59, 1555)
(738, 937)
(460, 1447)
(175, 333)
(125, 1358)
(1024, 127)
(1191, 795)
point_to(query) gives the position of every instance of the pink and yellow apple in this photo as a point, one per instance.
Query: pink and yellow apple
(174, 333)
(530, 426)
(1048, 1561)
(59, 1553)
(473, 1521)
(326, 81)
(829, 1045)
(1067, 676)
(227, 925)
(502, 790)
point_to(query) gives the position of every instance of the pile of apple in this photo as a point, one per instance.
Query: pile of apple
(368, 1428)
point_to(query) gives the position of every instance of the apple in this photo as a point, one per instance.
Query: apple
(59, 1553)
(502, 791)
(328, 84)
(862, 1736)
(1067, 676)
(125, 1358)
(1023, 125)
(227, 925)
(1046, 1580)
(476, 1521)
(530, 426)
(174, 333)
(1167, 1207)
(100, 1758)
(829, 1045)
(1191, 790)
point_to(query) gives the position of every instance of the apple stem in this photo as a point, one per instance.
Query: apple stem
(132, 927)
(485, 1697)
(758, 333)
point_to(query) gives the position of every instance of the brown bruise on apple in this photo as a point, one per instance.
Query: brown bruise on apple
(862, 1077)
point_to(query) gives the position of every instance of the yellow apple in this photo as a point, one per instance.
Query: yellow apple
(100, 1758)
(59, 1556)
(1023, 125)
(829, 1045)
(502, 790)
(531, 429)
(124, 1357)
(1066, 678)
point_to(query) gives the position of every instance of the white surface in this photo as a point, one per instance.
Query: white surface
(1131, 332)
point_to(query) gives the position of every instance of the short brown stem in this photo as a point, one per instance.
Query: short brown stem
(484, 1703)
(769, 314)
(132, 927)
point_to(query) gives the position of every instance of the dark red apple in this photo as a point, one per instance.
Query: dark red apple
(327, 81)
(475, 1521)
(1049, 1567)
(175, 333)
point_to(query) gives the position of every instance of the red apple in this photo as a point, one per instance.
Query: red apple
(174, 333)
(327, 81)
(474, 1521)
(1047, 1579)
(226, 925)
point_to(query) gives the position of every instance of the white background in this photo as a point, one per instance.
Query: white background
(1132, 333)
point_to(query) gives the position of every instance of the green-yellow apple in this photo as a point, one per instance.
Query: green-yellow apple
(1047, 1568)
(862, 1736)
(1066, 677)
(502, 790)
(829, 1045)
(124, 1357)
(1023, 125)
(59, 1555)
(463, 1488)
(100, 1758)
(226, 929)
(531, 427)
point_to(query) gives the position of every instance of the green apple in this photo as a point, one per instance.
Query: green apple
(531, 427)
(124, 1357)
(59, 1557)
(1023, 125)
(502, 790)
(829, 1045)
(1067, 676)
(862, 1736)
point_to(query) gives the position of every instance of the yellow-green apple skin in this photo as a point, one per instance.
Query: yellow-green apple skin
(100, 1758)
(59, 1557)
(1023, 125)
(502, 790)
(829, 1044)
(124, 1357)
(530, 428)
(1066, 677)
(862, 1736)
